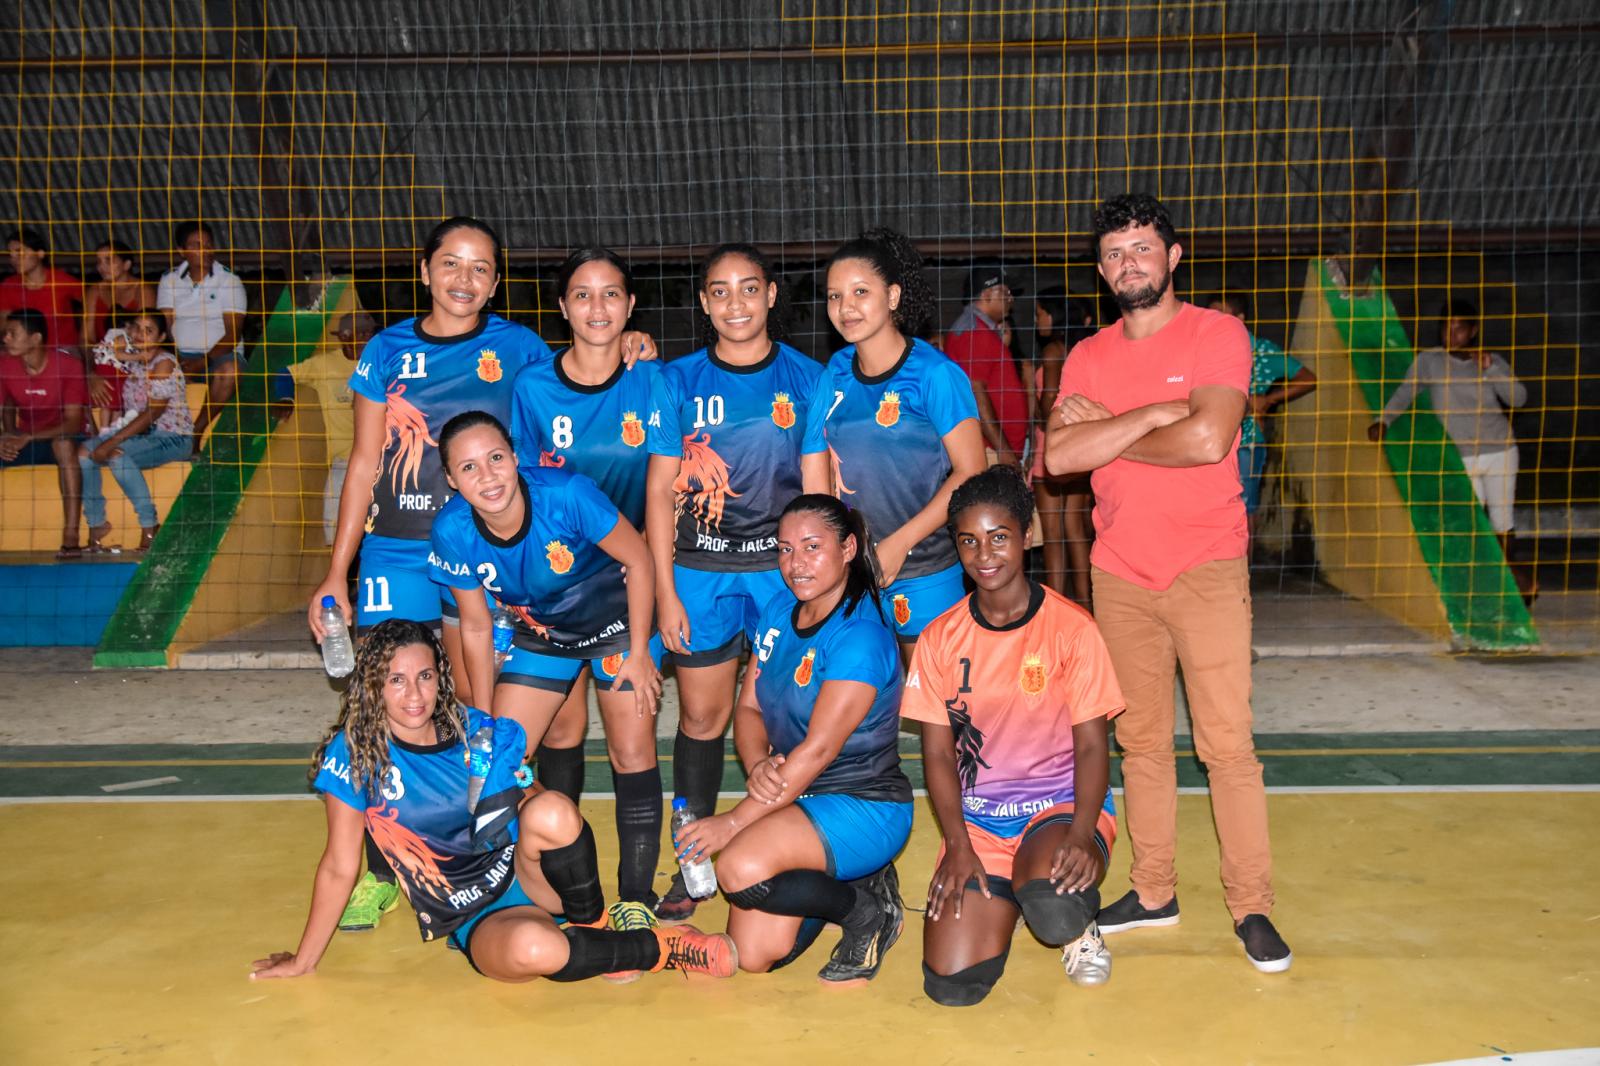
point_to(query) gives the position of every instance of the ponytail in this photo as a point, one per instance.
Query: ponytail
(896, 260)
(862, 574)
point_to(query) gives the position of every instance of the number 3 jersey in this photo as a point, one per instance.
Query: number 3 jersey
(736, 431)
(796, 661)
(417, 815)
(567, 592)
(1012, 694)
(594, 430)
(423, 381)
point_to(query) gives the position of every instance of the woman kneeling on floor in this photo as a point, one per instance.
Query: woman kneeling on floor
(816, 727)
(512, 882)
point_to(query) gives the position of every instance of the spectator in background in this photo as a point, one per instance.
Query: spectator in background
(41, 288)
(1062, 502)
(327, 372)
(43, 396)
(205, 305)
(1472, 391)
(976, 343)
(1275, 377)
(155, 428)
(118, 291)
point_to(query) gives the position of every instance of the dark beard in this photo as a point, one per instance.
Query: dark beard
(1145, 298)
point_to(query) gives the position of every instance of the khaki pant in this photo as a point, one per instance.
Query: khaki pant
(1203, 623)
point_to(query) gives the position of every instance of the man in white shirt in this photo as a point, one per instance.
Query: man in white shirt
(205, 305)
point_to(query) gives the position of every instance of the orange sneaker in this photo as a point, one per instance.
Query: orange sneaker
(687, 950)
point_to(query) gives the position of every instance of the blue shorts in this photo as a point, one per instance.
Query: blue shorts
(1252, 464)
(859, 836)
(394, 582)
(513, 896)
(723, 610)
(555, 673)
(914, 602)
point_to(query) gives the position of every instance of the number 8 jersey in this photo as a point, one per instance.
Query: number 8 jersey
(423, 381)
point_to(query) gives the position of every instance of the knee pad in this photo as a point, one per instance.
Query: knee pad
(751, 898)
(1057, 919)
(965, 987)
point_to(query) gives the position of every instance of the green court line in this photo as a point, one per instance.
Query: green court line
(1480, 595)
(1534, 757)
(156, 600)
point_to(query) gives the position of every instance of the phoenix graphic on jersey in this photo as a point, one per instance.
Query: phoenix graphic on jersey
(404, 424)
(702, 482)
(550, 458)
(528, 620)
(969, 742)
(406, 851)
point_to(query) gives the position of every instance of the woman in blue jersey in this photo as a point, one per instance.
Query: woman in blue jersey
(410, 380)
(551, 547)
(893, 428)
(584, 412)
(816, 727)
(491, 878)
(724, 437)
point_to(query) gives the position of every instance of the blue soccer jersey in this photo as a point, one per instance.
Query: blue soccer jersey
(566, 591)
(594, 430)
(417, 815)
(886, 438)
(424, 381)
(796, 662)
(737, 431)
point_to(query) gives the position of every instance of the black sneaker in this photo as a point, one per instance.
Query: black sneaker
(859, 953)
(1129, 913)
(677, 905)
(1268, 953)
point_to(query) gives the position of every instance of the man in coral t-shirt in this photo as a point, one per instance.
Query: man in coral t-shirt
(42, 402)
(41, 287)
(1152, 406)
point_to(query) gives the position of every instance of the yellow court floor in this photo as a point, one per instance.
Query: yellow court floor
(1426, 927)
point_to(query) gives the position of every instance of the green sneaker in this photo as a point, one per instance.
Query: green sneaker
(628, 916)
(370, 901)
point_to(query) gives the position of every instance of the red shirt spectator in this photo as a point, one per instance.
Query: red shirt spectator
(40, 395)
(975, 343)
(42, 288)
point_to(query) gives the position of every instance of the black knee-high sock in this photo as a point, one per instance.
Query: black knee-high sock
(574, 872)
(638, 833)
(592, 952)
(808, 894)
(378, 862)
(561, 770)
(697, 771)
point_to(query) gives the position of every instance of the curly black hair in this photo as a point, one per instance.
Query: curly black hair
(1001, 485)
(777, 314)
(896, 260)
(1132, 209)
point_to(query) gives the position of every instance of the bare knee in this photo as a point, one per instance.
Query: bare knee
(550, 820)
(534, 950)
(739, 868)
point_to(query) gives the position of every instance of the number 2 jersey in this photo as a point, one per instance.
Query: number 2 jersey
(594, 430)
(795, 662)
(552, 573)
(885, 437)
(423, 381)
(737, 432)
(417, 815)
(1012, 694)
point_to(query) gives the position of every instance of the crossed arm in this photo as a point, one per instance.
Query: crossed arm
(1083, 434)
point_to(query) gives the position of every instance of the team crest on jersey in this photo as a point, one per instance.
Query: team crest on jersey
(560, 556)
(632, 429)
(1033, 675)
(889, 409)
(782, 410)
(902, 609)
(802, 673)
(611, 664)
(489, 366)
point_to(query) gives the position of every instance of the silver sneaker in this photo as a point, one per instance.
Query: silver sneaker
(1087, 960)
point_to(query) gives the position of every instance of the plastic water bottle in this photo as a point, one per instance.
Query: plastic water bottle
(699, 878)
(338, 657)
(505, 630)
(479, 750)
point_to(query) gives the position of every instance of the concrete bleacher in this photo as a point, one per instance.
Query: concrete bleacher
(30, 501)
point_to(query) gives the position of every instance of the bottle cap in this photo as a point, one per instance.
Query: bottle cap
(327, 601)
(679, 803)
